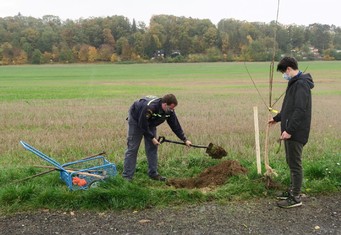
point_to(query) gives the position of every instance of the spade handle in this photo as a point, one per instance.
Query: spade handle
(162, 139)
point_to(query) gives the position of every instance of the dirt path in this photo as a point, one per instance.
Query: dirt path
(318, 215)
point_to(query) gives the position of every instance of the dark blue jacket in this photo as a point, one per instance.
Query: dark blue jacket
(295, 115)
(148, 114)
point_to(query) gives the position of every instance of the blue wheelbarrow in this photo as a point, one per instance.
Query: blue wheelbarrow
(82, 174)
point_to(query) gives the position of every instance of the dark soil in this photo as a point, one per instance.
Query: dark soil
(318, 215)
(212, 176)
(215, 151)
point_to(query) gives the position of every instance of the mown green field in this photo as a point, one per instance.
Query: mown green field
(73, 111)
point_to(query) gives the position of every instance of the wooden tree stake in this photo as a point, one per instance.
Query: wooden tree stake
(258, 161)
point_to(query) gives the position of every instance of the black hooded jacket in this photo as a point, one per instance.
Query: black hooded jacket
(295, 115)
(148, 114)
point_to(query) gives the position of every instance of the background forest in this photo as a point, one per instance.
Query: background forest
(29, 40)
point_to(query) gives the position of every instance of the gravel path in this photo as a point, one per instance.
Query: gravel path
(318, 215)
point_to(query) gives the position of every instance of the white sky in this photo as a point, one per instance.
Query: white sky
(300, 12)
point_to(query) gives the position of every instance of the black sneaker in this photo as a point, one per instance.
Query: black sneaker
(283, 195)
(290, 202)
(158, 178)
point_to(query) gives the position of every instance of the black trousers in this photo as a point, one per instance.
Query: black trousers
(293, 153)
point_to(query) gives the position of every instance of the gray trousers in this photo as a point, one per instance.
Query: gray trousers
(293, 153)
(135, 135)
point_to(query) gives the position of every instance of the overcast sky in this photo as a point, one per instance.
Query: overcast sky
(300, 12)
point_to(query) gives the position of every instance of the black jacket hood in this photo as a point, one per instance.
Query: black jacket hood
(304, 76)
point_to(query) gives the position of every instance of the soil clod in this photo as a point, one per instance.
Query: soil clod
(215, 151)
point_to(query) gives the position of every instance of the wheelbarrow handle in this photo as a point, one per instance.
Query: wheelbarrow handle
(162, 139)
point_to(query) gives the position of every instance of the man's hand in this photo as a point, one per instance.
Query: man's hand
(188, 143)
(155, 141)
(285, 136)
(272, 122)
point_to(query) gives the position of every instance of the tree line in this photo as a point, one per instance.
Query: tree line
(29, 40)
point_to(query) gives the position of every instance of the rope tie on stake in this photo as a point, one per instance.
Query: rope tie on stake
(273, 110)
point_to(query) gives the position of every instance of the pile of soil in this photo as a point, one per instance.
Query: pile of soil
(212, 176)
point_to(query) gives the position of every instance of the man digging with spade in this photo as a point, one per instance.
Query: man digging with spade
(143, 118)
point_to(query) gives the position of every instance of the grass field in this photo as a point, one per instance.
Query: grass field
(73, 111)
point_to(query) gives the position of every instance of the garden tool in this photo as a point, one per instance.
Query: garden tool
(212, 150)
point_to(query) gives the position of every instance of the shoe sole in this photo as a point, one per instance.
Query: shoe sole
(291, 206)
(281, 198)
(162, 179)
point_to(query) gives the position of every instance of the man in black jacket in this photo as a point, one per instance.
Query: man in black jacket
(295, 118)
(143, 118)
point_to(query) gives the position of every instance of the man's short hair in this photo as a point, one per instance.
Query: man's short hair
(170, 99)
(287, 62)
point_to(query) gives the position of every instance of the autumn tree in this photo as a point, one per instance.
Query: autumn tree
(20, 57)
(105, 52)
(92, 54)
(37, 57)
(108, 38)
(6, 54)
(124, 48)
(83, 53)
